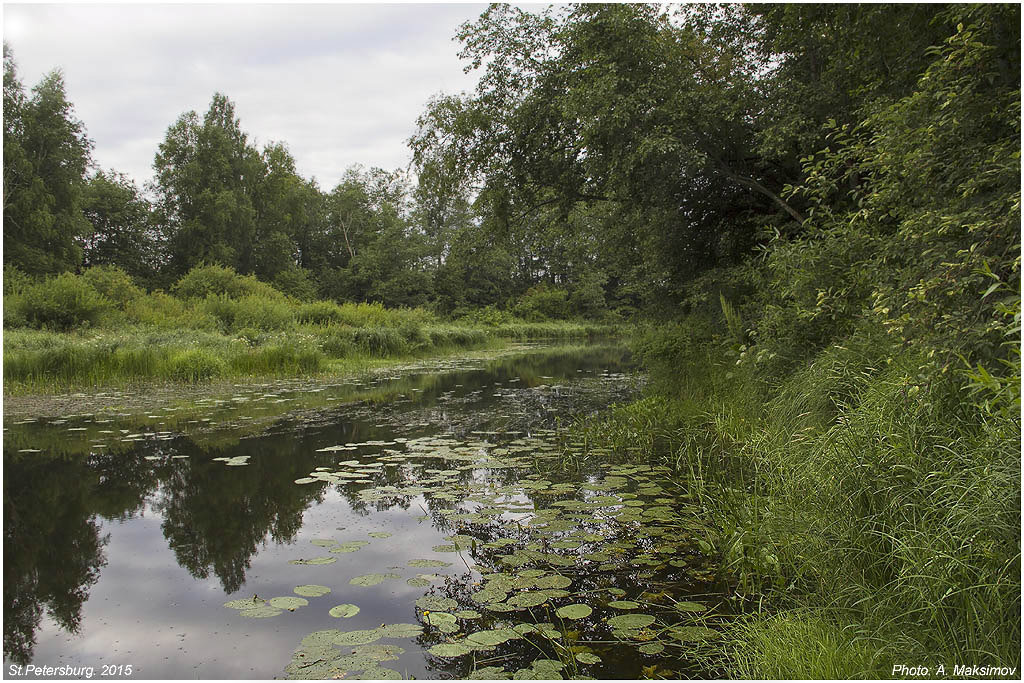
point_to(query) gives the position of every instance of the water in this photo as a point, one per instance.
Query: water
(126, 534)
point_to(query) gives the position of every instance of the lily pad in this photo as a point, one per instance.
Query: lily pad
(436, 603)
(379, 534)
(574, 612)
(372, 579)
(288, 603)
(358, 637)
(311, 590)
(651, 648)
(315, 560)
(261, 612)
(400, 630)
(450, 650)
(628, 622)
(247, 603)
(428, 563)
(690, 607)
(344, 611)
(587, 658)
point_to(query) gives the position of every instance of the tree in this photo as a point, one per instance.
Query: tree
(206, 177)
(121, 228)
(46, 155)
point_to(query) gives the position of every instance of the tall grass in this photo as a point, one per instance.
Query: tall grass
(870, 509)
(99, 328)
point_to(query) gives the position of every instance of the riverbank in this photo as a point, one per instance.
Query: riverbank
(46, 363)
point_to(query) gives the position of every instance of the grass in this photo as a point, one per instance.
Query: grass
(870, 510)
(99, 329)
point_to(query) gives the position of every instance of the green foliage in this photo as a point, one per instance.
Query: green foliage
(542, 302)
(256, 312)
(214, 280)
(195, 365)
(114, 284)
(120, 226)
(46, 154)
(61, 303)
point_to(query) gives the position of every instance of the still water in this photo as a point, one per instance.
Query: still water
(434, 523)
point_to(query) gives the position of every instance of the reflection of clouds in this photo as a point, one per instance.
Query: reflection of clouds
(341, 84)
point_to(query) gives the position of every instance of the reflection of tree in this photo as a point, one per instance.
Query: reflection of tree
(53, 550)
(217, 516)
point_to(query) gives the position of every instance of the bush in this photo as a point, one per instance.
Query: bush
(249, 312)
(62, 303)
(340, 343)
(212, 280)
(167, 312)
(296, 282)
(543, 302)
(113, 283)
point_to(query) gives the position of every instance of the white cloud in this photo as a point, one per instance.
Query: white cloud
(340, 84)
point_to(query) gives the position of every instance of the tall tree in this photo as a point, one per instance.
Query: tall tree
(121, 228)
(46, 155)
(206, 174)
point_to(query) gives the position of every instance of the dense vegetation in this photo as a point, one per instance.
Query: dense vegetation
(814, 209)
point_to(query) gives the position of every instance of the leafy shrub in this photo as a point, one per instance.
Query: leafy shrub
(16, 280)
(62, 303)
(212, 280)
(296, 282)
(340, 343)
(249, 312)
(542, 302)
(113, 283)
(167, 312)
(195, 365)
(488, 315)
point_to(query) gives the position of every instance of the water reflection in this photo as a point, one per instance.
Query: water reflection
(67, 480)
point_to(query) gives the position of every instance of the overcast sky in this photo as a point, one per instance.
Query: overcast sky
(339, 83)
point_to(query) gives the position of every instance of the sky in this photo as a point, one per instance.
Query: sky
(340, 84)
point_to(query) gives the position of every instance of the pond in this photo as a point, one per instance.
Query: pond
(435, 522)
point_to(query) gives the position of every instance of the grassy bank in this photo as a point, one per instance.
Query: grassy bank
(98, 329)
(865, 512)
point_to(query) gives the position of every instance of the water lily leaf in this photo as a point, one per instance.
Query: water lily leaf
(324, 542)
(379, 534)
(445, 548)
(450, 650)
(439, 618)
(378, 673)
(378, 653)
(428, 563)
(574, 611)
(690, 607)
(304, 480)
(651, 648)
(400, 630)
(288, 602)
(468, 614)
(527, 600)
(358, 637)
(372, 579)
(587, 658)
(247, 603)
(418, 582)
(491, 638)
(628, 622)
(315, 560)
(436, 603)
(344, 611)
(553, 581)
(618, 592)
(261, 612)
(311, 590)
(623, 604)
